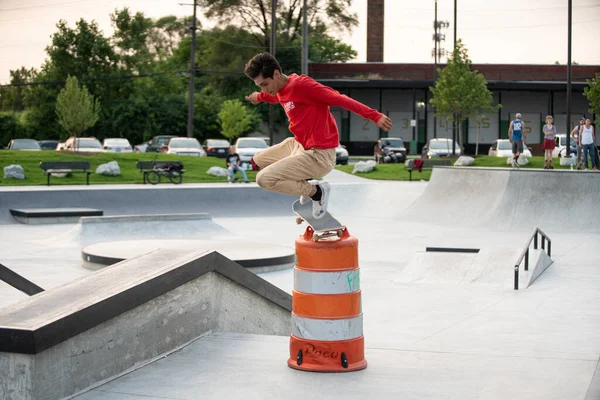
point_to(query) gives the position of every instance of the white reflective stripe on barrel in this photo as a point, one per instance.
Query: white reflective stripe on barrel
(327, 329)
(326, 282)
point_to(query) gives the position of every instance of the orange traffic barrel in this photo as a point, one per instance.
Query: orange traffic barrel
(327, 324)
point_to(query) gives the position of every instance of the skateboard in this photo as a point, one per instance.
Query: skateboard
(322, 227)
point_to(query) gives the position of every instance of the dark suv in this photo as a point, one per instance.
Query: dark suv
(158, 142)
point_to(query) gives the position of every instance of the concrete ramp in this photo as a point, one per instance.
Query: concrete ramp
(494, 266)
(499, 198)
(76, 336)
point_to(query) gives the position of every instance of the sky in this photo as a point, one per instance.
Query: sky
(496, 32)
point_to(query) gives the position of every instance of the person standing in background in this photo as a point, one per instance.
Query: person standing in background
(587, 142)
(575, 135)
(515, 134)
(549, 144)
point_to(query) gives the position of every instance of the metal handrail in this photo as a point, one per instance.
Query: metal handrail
(525, 252)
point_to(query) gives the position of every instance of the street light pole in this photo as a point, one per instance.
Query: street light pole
(305, 39)
(192, 89)
(272, 51)
(569, 77)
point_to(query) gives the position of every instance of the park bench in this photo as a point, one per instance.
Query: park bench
(153, 170)
(66, 167)
(428, 164)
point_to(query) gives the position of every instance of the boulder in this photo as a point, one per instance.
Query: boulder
(14, 171)
(217, 171)
(111, 168)
(522, 160)
(464, 161)
(364, 166)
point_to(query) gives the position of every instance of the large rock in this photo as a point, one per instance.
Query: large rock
(111, 168)
(464, 161)
(14, 171)
(364, 166)
(522, 160)
(569, 160)
(217, 171)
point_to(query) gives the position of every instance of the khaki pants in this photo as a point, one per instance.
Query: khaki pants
(286, 166)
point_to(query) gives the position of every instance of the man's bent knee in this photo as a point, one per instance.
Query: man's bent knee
(265, 181)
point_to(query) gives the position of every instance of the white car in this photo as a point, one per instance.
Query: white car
(560, 150)
(83, 145)
(185, 147)
(440, 147)
(117, 145)
(503, 148)
(247, 147)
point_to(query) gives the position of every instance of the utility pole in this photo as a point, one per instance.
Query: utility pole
(305, 39)
(437, 53)
(272, 51)
(455, 5)
(192, 88)
(569, 77)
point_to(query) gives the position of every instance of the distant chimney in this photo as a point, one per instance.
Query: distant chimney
(375, 30)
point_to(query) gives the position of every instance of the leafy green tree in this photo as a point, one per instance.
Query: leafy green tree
(131, 38)
(592, 92)
(76, 109)
(12, 97)
(459, 92)
(255, 15)
(235, 119)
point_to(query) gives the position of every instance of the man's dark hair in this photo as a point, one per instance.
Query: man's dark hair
(262, 64)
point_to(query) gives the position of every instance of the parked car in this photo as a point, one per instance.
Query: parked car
(23, 144)
(141, 148)
(184, 147)
(83, 144)
(266, 139)
(560, 150)
(503, 148)
(48, 144)
(247, 147)
(216, 147)
(440, 147)
(341, 155)
(117, 145)
(158, 142)
(392, 145)
(61, 146)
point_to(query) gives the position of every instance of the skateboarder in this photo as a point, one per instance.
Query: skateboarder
(515, 133)
(286, 167)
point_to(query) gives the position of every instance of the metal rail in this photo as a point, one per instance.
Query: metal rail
(525, 253)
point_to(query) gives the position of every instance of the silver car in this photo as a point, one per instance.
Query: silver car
(24, 144)
(117, 145)
(247, 147)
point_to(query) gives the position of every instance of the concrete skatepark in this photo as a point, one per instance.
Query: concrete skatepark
(186, 324)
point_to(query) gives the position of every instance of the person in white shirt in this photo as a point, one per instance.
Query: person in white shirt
(587, 142)
(575, 136)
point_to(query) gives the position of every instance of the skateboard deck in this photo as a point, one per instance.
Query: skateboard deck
(325, 224)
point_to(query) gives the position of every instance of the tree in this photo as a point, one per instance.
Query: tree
(460, 93)
(76, 109)
(592, 92)
(235, 119)
(255, 15)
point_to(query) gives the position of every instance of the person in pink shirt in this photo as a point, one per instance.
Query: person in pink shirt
(287, 166)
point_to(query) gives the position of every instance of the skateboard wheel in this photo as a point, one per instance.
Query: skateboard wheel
(315, 238)
(340, 233)
(299, 220)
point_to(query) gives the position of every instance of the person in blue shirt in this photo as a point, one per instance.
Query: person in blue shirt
(516, 134)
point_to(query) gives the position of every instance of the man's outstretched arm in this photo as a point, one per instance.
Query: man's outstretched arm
(259, 97)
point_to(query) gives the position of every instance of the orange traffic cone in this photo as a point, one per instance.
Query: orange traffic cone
(327, 334)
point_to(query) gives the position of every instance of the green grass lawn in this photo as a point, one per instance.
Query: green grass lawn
(195, 167)
(397, 171)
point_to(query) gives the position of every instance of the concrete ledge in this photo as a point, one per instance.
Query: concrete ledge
(52, 215)
(66, 339)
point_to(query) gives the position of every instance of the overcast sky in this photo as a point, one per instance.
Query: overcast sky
(507, 31)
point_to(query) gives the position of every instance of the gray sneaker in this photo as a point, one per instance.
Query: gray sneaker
(320, 207)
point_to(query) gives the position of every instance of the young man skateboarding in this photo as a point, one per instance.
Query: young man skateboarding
(515, 133)
(286, 167)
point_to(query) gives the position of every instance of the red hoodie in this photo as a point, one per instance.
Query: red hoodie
(306, 103)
